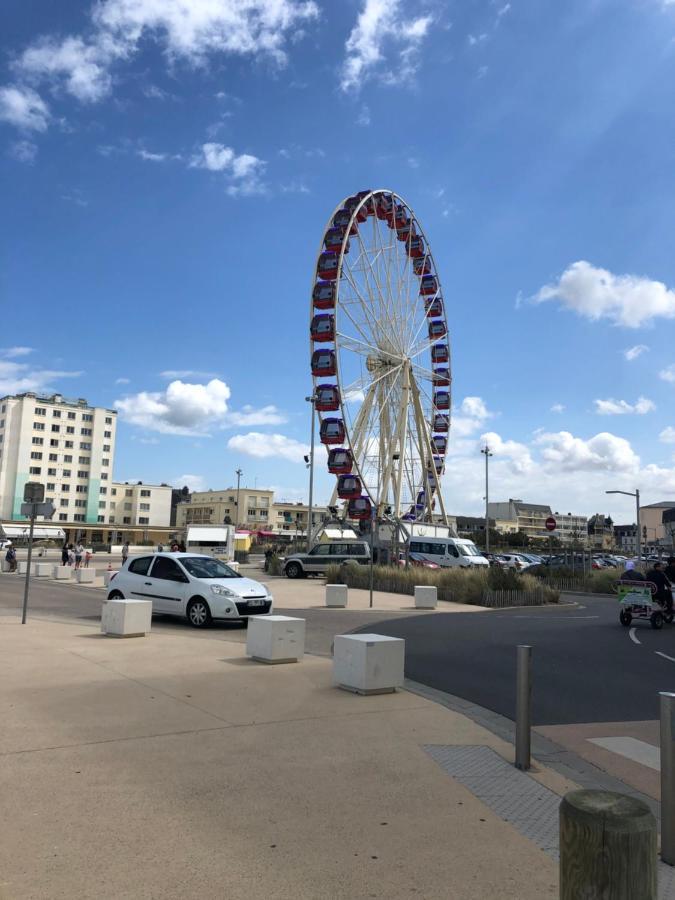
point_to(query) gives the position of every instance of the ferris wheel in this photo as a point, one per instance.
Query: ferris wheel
(380, 360)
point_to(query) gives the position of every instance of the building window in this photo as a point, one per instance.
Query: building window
(85, 432)
(112, 520)
(56, 413)
(67, 457)
(101, 519)
(35, 454)
(39, 426)
(144, 506)
(113, 492)
(104, 490)
(71, 415)
(51, 486)
(82, 474)
(68, 445)
(101, 504)
(104, 476)
(126, 520)
(65, 488)
(56, 428)
(70, 429)
(63, 517)
(106, 448)
(78, 517)
(40, 411)
(53, 457)
(34, 470)
(108, 420)
(51, 472)
(143, 520)
(81, 488)
(87, 417)
(105, 462)
(84, 460)
(85, 445)
(80, 503)
(64, 501)
(145, 493)
(128, 493)
(107, 434)
(127, 505)
(39, 441)
(53, 442)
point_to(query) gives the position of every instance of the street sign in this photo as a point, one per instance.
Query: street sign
(31, 510)
(33, 492)
(551, 524)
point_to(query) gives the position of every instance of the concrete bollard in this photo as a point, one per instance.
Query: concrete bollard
(126, 618)
(4, 565)
(275, 639)
(85, 576)
(22, 567)
(607, 847)
(337, 595)
(426, 597)
(108, 577)
(43, 570)
(62, 573)
(368, 663)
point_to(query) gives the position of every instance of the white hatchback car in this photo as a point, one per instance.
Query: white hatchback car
(200, 588)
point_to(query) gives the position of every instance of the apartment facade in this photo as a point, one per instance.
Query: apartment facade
(571, 529)
(529, 518)
(651, 522)
(292, 518)
(216, 507)
(137, 505)
(65, 444)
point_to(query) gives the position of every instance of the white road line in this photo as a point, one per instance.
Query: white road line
(665, 655)
(634, 638)
(639, 751)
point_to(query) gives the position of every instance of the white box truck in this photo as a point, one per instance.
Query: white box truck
(211, 540)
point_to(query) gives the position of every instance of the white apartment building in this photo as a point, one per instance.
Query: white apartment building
(65, 444)
(216, 507)
(571, 529)
(137, 505)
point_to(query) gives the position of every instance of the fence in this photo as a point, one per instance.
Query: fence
(502, 599)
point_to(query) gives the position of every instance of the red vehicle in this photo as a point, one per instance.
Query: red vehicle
(442, 400)
(333, 240)
(323, 295)
(323, 363)
(441, 376)
(416, 559)
(429, 285)
(332, 431)
(359, 508)
(415, 247)
(342, 218)
(437, 329)
(322, 327)
(440, 353)
(340, 461)
(422, 266)
(433, 307)
(348, 487)
(327, 266)
(441, 423)
(327, 398)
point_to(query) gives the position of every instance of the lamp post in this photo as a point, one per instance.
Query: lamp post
(238, 473)
(638, 534)
(312, 400)
(487, 453)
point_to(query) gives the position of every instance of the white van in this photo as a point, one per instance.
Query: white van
(448, 551)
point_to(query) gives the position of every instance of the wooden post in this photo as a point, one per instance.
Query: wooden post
(607, 847)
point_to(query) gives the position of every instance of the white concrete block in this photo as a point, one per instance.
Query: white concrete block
(43, 570)
(108, 577)
(126, 618)
(85, 576)
(337, 595)
(4, 565)
(233, 565)
(62, 573)
(426, 597)
(368, 663)
(22, 566)
(276, 639)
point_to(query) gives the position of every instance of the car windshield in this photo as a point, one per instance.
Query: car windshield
(207, 567)
(468, 550)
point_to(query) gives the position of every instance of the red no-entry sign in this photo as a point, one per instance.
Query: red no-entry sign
(551, 524)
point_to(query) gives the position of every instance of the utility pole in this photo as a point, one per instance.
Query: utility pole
(238, 473)
(487, 453)
(310, 511)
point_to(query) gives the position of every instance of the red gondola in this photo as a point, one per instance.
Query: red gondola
(441, 377)
(433, 307)
(439, 443)
(385, 207)
(322, 327)
(401, 217)
(368, 207)
(342, 218)
(340, 461)
(422, 265)
(403, 233)
(327, 266)
(441, 422)
(440, 353)
(429, 285)
(332, 431)
(348, 487)
(359, 508)
(323, 295)
(415, 246)
(437, 329)
(350, 205)
(333, 240)
(327, 398)
(442, 400)
(323, 363)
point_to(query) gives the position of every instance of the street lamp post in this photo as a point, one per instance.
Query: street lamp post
(638, 535)
(487, 453)
(238, 473)
(310, 512)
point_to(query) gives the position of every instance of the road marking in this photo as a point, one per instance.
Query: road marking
(639, 751)
(558, 618)
(634, 638)
(665, 655)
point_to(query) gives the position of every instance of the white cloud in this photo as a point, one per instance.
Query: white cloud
(516, 453)
(631, 353)
(83, 65)
(249, 417)
(15, 378)
(14, 352)
(667, 436)
(379, 26)
(668, 374)
(23, 107)
(245, 170)
(474, 39)
(193, 482)
(604, 451)
(122, 380)
(23, 151)
(152, 157)
(363, 117)
(470, 417)
(503, 10)
(185, 373)
(621, 407)
(185, 409)
(557, 408)
(264, 446)
(629, 300)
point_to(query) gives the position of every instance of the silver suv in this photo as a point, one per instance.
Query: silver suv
(323, 555)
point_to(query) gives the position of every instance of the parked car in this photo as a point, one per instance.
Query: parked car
(448, 552)
(298, 565)
(200, 588)
(415, 559)
(514, 561)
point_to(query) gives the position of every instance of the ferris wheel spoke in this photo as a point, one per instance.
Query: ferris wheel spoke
(367, 306)
(427, 441)
(379, 254)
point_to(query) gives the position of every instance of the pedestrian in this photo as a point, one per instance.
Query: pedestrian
(125, 551)
(670, 569)
(64, 554)
(79, 553)
(87, 557)
(160, 548)
(10, 557)
(174, 547)
(663, 594)
(631, 573)
(181, 547)
(71, 555)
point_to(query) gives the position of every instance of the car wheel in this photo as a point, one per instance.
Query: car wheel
(198, 613)
(657, 620)
(116, 595)
(625, 617)
(294, 570)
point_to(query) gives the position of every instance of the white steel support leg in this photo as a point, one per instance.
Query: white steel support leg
(427, 442)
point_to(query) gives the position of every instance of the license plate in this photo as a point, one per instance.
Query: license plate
(256, 602)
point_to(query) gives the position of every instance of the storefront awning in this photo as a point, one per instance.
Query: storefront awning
(41, 532)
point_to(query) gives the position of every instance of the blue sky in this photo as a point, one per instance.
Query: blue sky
(168, 169)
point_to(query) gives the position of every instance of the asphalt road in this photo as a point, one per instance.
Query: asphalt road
(585, 666)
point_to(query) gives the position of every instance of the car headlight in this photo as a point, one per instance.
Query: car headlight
(222, 591)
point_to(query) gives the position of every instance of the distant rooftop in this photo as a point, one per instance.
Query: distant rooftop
(57, 399)
(664, 504)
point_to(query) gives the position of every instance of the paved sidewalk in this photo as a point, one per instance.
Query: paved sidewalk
(173, 767)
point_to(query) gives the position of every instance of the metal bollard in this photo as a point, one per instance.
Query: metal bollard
(523, 706)
(667, 777)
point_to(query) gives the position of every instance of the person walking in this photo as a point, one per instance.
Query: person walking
(79, 553)
(64, 554)
(125, 551)
(87, 557)
(664, 594)
(160, 548)
(10, 557)
(71, 555)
